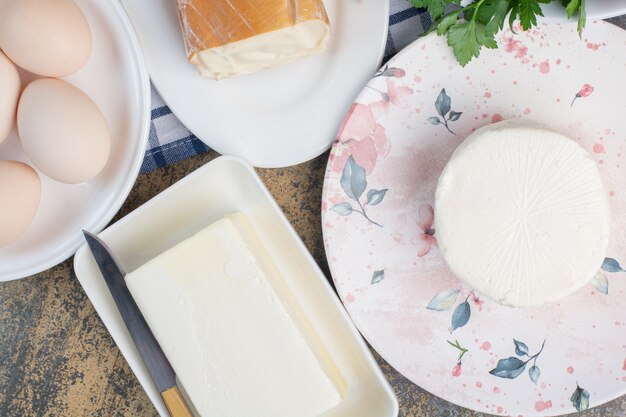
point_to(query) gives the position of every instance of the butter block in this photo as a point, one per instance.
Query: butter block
(225, 38)
(521, 214)
(212, 304)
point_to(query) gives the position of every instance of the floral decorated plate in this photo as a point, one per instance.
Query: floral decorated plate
(382, 247)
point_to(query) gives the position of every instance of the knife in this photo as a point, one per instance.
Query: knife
(159, 367)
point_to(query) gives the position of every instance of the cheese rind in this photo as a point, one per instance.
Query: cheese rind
(232, 342)
(521, 214)
(225, 38)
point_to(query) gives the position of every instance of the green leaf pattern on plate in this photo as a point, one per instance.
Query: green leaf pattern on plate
(512, 367)
(378, 276)
(354, 183)
(443, 105)
(580, 399)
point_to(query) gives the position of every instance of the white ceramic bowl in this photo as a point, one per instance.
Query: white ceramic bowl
(115, 77)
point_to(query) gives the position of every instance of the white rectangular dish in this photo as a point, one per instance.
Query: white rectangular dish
(223, 186)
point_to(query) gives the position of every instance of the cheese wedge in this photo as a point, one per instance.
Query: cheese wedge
(225, 38)
(521, 214)
(230, 329)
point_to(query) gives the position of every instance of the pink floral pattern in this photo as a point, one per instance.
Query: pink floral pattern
(426, 240)
(458, 368)
(396, 96)
(456, 371)
(364, 138)
(513, 45)
(476, 300)
(585, 91)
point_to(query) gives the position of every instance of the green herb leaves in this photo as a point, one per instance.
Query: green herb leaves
(436, 8)
(475, 26)
(463, 38)
(528, 10)
(492, 14)
(576, 6)
(483, 19)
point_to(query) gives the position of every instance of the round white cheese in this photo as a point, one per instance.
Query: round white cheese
(521, 214)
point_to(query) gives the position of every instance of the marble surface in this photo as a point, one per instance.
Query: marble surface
(57, 359)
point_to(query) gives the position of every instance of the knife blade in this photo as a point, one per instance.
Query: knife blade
(153, 357)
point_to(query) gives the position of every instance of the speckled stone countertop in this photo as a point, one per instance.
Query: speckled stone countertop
(57, 358)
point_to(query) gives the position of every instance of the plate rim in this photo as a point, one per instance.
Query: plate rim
(143, 88)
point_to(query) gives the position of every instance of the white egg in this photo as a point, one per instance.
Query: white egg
(62, 130)
(20, 192)
(9, 95)
(50, 38)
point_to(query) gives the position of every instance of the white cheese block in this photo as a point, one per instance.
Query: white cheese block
(521, 214)
(267, 50)
(212, 305)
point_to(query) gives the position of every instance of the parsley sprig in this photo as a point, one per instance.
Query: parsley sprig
(475, 26)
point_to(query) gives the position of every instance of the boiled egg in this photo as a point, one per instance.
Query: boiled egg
(9, 94)
(63, 131)
(46, 37)
(20, 192)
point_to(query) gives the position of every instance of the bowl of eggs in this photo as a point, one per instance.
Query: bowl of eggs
(74, 123)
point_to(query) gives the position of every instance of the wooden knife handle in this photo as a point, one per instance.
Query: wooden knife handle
(175, 403)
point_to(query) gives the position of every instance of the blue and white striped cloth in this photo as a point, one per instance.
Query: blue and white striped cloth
(170, 141)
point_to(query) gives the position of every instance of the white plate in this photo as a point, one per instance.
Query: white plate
(393, 280)
(277, 117)
(220, 187)
(116, 79)
(596, 9)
